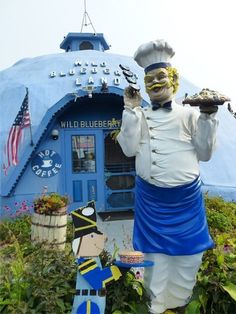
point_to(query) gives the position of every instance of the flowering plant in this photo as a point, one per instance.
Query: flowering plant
(51, 203)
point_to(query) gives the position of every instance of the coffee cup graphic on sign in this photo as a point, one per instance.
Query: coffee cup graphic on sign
(47, 162)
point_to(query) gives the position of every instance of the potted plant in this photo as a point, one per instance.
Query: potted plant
(51, 204)
(49, 220)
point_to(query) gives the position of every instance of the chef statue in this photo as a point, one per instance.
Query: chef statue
(168, 141)
(91, 279)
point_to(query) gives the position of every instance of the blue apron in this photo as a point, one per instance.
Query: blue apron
(171, 221)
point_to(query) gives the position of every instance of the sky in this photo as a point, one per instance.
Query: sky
(202, 32)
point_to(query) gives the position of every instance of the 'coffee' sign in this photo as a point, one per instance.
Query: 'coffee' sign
(46, 163)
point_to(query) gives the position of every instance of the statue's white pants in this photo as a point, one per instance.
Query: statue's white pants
(171, 279)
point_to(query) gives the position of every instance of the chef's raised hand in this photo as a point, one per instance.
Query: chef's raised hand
(132, 98)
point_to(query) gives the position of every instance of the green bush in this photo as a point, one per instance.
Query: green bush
(221, 215)
(215, 291)
(18, 228)
(127, 295)
(33, 279)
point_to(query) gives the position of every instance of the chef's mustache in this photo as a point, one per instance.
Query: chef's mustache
(157, 85)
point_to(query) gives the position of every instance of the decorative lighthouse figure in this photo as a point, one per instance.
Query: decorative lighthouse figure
(91, 279)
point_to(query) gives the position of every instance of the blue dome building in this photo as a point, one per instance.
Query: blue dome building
(59, 114)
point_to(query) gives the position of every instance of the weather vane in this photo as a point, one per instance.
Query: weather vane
(86, 19)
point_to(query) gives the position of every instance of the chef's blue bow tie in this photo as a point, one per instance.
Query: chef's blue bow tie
(166, 105)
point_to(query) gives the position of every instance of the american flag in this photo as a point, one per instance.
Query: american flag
(21, 121)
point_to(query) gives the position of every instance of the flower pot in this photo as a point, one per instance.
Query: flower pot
(50, 230)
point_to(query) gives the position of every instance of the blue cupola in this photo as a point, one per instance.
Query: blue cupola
(84, 41)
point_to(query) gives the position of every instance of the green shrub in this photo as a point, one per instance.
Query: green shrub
(127, 295)
(221, 215)
(19, 229)
(51, 277)
(215, 291)
(42, 281)
(33, 279)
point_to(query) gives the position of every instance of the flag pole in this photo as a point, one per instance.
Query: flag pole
(31, 135)
(30, 126)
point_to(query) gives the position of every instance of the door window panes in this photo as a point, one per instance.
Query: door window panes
(115, 160)
(83, 153)
(121, 182)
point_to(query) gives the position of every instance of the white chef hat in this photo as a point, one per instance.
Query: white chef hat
(154, 54)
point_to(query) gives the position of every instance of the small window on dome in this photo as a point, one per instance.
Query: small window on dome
(86, 45)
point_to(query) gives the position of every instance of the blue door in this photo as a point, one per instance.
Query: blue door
(84, 156)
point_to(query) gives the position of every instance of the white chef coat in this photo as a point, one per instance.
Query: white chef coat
(167, 144)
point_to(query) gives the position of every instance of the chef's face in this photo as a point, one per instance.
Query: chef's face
(159, 85)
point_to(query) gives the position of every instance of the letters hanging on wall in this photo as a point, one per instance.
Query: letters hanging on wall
(46, 163)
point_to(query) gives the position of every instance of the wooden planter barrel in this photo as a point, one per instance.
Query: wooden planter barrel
(49, 229)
